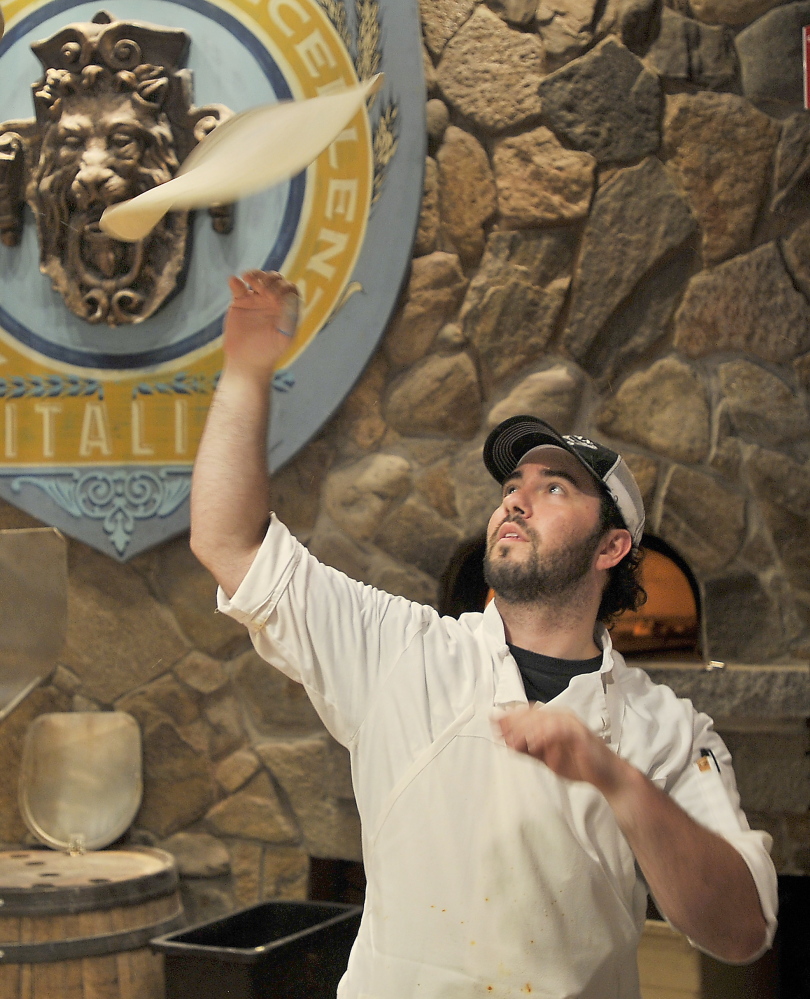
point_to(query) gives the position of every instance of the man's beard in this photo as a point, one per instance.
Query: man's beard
(551, 578)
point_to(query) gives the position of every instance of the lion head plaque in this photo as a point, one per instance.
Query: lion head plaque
(114, 117)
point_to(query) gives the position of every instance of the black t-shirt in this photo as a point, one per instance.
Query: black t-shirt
(545, 677)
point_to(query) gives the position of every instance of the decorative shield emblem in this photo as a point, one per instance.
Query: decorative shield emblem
(109, 352)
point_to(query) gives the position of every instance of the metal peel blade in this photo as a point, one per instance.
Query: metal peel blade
(33, 609)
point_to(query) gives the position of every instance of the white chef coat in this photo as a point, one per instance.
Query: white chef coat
(488, 875)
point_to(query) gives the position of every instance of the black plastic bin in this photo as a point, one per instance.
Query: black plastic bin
(275, 950)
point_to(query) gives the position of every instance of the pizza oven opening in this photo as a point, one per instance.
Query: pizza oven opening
(667, 625)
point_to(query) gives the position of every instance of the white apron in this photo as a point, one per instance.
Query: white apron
(525, 887)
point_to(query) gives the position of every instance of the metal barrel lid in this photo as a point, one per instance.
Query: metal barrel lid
(43, 882)
(80, 778)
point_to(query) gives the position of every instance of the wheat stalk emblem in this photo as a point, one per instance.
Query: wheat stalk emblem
(336, 12)
(367, 57)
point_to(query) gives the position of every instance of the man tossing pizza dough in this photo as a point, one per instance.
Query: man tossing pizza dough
(521, 789)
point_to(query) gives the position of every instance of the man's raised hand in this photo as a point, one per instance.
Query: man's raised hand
(259, 323)
(230, 494)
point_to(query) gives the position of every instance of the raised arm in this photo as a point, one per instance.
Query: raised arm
(230, 486)
(699, 881)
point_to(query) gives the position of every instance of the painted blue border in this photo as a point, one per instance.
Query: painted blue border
(286, 235)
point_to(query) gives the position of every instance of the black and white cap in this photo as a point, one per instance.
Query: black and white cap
(510, 442)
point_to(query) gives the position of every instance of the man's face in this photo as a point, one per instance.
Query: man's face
(543, 538)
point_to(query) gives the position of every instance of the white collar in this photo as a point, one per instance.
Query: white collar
(508, 684)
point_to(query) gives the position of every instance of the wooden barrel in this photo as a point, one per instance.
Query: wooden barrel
(78, 927)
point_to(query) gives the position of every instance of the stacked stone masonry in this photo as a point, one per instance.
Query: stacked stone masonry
(615, 236)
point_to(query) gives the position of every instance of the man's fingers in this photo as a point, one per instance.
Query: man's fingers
(265, 280)
(268, 283)
(238, 287)
(561, 741)
(518, 731)
(538, 731)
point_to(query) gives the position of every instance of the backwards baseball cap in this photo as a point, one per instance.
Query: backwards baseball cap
(510, 442)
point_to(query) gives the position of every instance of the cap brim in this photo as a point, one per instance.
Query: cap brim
(510, 440)
(507, 444)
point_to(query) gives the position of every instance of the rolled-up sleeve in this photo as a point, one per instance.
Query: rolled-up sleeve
(265, 580)
(334, 635)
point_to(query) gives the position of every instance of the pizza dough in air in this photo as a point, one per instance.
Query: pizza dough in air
(247, 153)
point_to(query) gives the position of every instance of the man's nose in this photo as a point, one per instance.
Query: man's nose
(516, 502)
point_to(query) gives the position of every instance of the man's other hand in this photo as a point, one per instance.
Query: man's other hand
(566, 746)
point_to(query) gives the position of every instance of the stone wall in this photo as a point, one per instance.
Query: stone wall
(614, 237)
(241, 782)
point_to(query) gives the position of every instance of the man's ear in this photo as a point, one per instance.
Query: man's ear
(615, 544)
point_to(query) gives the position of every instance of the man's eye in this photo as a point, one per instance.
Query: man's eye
(555, 487)
(72, 142)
